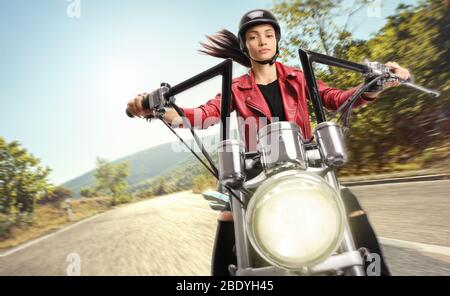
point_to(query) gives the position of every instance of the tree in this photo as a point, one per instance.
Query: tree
(56, 196)
(402, 122)
(204, 180)
(87, 192)
(311, 24)
(22, 180)
(160, 188)
(110, 179)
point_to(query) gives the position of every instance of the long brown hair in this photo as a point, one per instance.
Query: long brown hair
(225, 44)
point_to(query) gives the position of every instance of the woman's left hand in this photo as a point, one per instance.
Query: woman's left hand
(399, 71)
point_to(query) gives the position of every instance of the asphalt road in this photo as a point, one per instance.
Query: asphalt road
(173, 235)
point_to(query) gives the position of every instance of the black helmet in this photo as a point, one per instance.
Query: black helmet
(258, 17)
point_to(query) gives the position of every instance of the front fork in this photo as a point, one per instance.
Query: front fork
(348, 244)
(220, 201)
(243, 247)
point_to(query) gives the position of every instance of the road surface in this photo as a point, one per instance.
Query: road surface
(173, 235)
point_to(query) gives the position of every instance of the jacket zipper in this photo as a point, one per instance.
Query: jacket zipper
(261, 113)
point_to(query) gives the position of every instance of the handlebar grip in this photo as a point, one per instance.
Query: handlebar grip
(146, 102)
(129, 114)
(155, 99)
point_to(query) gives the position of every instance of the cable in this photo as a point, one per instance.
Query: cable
(213, 171)
(356, 95)
(190, 149)
(197, 140)
(208, 168)
(347, 107)
(235, 196)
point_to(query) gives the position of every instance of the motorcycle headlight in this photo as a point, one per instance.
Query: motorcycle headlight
(295, 220)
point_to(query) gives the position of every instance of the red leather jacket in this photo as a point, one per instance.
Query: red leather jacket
(251, 105)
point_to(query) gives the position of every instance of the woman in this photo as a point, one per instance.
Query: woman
(270, 90)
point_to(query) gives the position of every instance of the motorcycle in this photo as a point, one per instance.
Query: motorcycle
(286, 200)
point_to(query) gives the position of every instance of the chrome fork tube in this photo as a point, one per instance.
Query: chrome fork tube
(348, 244)
(243, 248)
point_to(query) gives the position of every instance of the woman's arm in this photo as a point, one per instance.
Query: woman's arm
(201, 117)
(400, 72)
(206, 114)
(333, 98)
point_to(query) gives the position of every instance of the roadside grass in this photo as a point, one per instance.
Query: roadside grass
(51, 217)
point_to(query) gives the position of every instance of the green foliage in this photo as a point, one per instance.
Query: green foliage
(311, 24)
(160, 188)
(185, 176)
(87, 192)
(22, 182)
(6, 223)
(402, 123)
(156, 187)
(203, 181)
(110, 180)
(55, 196)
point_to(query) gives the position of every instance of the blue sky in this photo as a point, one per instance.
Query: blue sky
(64, 82)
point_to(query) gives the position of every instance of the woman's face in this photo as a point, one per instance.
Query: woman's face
(261, 42)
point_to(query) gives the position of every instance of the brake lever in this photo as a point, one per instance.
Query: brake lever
(410, 82)
(428, 91)
(158, 114)
(380, 69)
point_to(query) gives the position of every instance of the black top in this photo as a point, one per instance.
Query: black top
(272, 94)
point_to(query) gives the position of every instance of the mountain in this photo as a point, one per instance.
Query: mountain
(152, 162)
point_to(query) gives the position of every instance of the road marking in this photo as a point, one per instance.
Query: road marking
(35, 241)
(427, 248)
(399, 183)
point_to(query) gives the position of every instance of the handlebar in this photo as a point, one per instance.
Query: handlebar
(159, 98)
(156, 99)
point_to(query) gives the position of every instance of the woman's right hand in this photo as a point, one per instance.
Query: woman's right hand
(134, 107)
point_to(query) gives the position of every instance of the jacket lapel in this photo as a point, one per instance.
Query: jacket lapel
(286, 78)
(254, 99)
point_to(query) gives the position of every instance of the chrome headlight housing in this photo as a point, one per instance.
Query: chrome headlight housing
(295, 220)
